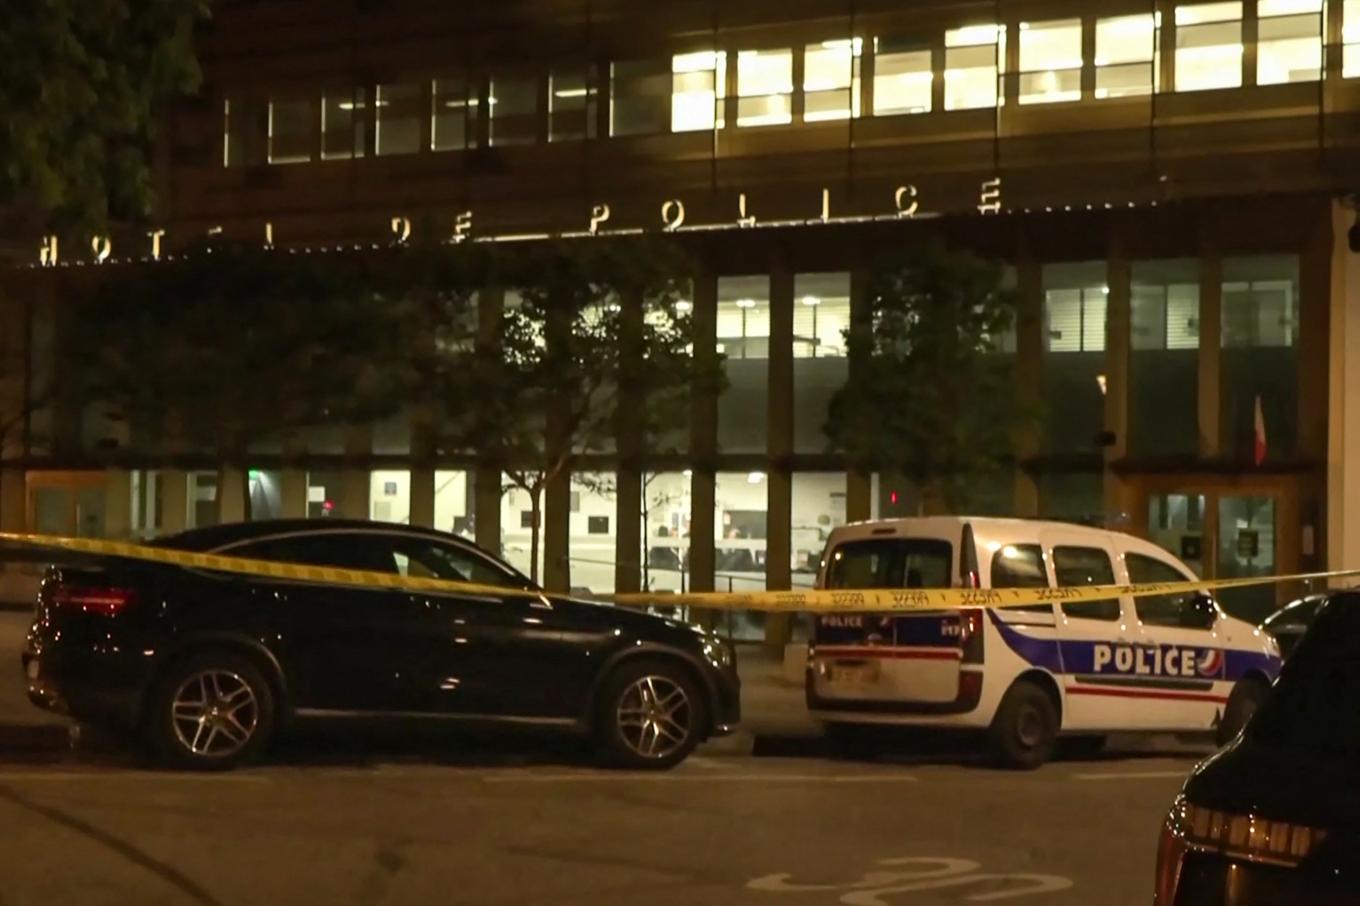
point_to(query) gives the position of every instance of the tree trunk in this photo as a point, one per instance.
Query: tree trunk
(535, 519)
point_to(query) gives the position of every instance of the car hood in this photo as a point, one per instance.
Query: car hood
(644, 625)
(1280, 782)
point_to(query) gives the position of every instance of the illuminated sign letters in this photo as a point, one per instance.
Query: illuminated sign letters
(598, 214)
(673, 215)
(743, 219)
(906, 201)
(462, 227)
(401, 229)
(48, 252)
(989, 199)
(102, 247)
(156, 236)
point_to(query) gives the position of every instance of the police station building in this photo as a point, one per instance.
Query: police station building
(1171, 185)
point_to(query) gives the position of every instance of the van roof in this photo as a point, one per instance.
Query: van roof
(983, 527)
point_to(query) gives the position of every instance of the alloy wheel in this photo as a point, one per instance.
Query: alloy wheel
(654, 717)
(215, 713)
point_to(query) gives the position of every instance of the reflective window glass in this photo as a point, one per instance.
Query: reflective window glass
(698, 87)
(453, 115)
(1350, 37)
(764, 87)
(1208, 46)
(972, 61)
(1050, 61)
(398, 128)
(743, 338)
(571, 106)
(291, 130)
(902, 78)
(640, 97)
(1126, 56)
(831, 82)
(1288, 41)
(514, 110)
(821, 317)
(344, 124)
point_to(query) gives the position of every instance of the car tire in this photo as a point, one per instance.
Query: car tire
(650, 715)
(1024, 731)
(209, 712)
(1246, 698)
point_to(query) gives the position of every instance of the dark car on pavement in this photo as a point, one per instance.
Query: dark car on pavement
(1274, 818)
(205, 666)
(1288, 624)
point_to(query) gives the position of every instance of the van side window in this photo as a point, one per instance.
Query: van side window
(1184, 611)
(1077, 566)
(1019, 566)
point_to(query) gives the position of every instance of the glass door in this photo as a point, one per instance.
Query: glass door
(66, 504)
(1246, 547)
(1176, 523)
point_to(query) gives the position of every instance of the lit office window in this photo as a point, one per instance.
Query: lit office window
(973, 59)
(698, 87)
(640, 100)
(817, 507)
(1075, 318)
(389, 496)
(1259, 357)
(344, 126)
(1126, 56)
(452, 503)
(764, 87)
(1260, 301)
(1208, 46)
(667, 501)
(513, 107)
(831, 82)
(821, 317)
(1350, 37)
(233, 145)
(398, 129)
(1050, 61)
(291, 131)
(1288, 41)
(571, 106)
(740, 534)
(743, 339)
(1075, 296)
(592, 533)
(902, 78)
(453, 115)
(1163, 418)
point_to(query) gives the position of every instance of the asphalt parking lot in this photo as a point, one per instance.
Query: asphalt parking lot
(767, 818)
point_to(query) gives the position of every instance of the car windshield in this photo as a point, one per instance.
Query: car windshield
(891, 563)
(1315, 705)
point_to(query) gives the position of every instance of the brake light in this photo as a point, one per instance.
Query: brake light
(105, 602)
(1170, 854)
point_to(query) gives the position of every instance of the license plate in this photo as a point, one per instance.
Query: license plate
(33, 669)
(854, 674)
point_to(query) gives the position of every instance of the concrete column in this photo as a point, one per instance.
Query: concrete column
(1117, 336)
(174, 501)
(556, 533)
(422, 496)
(628, 530)
(293, 493)
(1210, 354)
(779, 447)
(354, 492)
(117, 503)
(704, 431)
(1029, 345)
(858, 493)
(1342, 500)
(231, 495)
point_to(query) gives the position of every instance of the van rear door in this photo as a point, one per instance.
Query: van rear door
(879, 657)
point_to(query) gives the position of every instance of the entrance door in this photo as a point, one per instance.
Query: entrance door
(1245, 548)
(66, 503)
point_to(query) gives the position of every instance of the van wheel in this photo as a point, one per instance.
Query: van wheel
(1024, 731)
(1247, 696)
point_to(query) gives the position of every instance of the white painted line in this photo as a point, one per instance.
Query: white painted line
(607, 776)
(1133, 775)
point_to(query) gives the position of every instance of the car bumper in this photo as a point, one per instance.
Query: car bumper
(726, 703)
(102, 687)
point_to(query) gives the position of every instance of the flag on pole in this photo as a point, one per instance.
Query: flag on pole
(1259, 453)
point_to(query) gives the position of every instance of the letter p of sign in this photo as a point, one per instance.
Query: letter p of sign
(1102, 657)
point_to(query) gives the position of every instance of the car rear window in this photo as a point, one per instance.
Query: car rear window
(1315, 705)
(891, 563)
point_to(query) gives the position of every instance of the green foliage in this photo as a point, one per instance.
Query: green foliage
(928, 396)
(81, 83)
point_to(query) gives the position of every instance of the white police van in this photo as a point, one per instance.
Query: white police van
(1028, 674)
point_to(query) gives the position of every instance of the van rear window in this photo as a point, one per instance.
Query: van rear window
(891, 563)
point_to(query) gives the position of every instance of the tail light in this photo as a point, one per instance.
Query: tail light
(970, 633)
(1170, 853)
(105, 601)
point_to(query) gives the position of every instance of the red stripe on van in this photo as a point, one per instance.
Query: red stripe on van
(1139, 693)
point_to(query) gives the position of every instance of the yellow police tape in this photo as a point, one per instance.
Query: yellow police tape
(808, 601)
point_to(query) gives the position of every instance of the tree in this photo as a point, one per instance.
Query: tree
(81, 85)
(594, 348)
(220, 351)
(928, 396)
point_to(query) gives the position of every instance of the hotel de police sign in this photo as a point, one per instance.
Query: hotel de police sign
(904, 203)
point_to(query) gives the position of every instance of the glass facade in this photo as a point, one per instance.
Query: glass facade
(831, 80)
(513, 105)
(821, 317)
(1050, 61)
(743, 329)
(571, 106)
(1208, 46)
(698, 87)
(764, 87)
(1259, 355)
(292, 130)
(1127, 56)
(740, 533)
(667, 498)
(1288, 41)
(973, 60)
(1350, 37)
(344, 124)
(517, 529)
(453, 115)
(593, 531)
(1075, 298)
(903, 77)
(1164, 357)
(453, 503)
(818, 506)
(389, 496)
(398, 123)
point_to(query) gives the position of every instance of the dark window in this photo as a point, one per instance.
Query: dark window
(1185, 611)
(343, 549)
(429, 559)
(597, 525)
(1078, 566)
(1019, 566)
(891, 563)
(640, 97)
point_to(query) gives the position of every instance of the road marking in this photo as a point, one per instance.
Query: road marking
(922, 873)
(1132, 775)
(608, 776)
